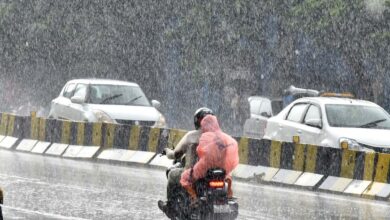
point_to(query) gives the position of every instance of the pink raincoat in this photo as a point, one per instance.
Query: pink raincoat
(215, 150)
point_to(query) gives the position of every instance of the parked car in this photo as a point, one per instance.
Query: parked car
(332, 122)
(111, 101)
(261, 108)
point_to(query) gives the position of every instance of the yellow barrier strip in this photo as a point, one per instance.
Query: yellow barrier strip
(311, 158)
(154, 136)
(299, 157)
(11, 124)
(134, 137)
(4, 122)
(243, 150)
(275, 154)
(348, 163)
(80, 133)
(382, 168)
(42, 129)
(97, 134)
(34, 126)
(369, 166)
(65, 132)
(110, 135)
(174, 137)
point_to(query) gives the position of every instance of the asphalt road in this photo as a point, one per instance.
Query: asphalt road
(41, 187)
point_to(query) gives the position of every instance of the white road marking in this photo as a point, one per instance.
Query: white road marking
(40, 182)
(50, 215)
(246, 186)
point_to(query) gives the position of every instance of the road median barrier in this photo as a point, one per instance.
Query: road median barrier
(377, 190)
(41, 147)
(272, 162)
(161, 161)
(56, 149)
(116, 155)
(12, 127)
(26, 145)
(72, 151)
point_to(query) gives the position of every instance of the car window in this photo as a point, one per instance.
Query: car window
(296, 112)
(117, 95)
(81, 90)
(266, 107)
(69, 90)
(312, 113)
(255, 106)
(357, 116)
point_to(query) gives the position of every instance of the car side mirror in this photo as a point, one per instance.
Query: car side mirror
(77, 100)
(265, 114)
(314, 123)
(156, 103)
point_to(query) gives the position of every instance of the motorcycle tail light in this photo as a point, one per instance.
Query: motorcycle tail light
(217, 184)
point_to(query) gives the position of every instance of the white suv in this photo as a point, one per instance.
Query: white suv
(332, 122)
(111, 101)
(261, 108)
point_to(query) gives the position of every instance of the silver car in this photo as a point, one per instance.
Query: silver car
(111, 101)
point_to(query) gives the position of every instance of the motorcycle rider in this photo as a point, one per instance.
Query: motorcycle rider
(216, 149)
(186, 146)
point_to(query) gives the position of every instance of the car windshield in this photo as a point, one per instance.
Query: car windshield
(357, 116)
(117, 95)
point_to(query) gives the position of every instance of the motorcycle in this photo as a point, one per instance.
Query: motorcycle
(213, 202)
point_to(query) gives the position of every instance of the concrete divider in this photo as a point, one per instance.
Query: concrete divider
(335, 184)
(88, 152)
(137, 144)
(377, 190)
(294, 164)
(72, 151)
(41, 147)
(77, 151)
(309, 180)
(26, 145)
(12, 127)
(357, 187)
(56, 149)
(161, 161)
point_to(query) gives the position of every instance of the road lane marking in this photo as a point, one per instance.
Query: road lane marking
(247, 186)
(51, 215)
(40, 182)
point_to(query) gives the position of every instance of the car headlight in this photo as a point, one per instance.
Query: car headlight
(161, 122)
(101, 116)
(351, 144)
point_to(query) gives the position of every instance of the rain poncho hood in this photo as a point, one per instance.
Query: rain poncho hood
(215, 150)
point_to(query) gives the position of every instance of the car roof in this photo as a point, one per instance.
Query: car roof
(336, 100)
(103, 82)
(264, 97)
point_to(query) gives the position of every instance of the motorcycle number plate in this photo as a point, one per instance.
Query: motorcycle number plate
(221, 209)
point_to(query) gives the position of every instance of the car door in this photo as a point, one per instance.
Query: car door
(60, 104)
(76, 110)
(311, 131)
(255, 125)
(292, 125)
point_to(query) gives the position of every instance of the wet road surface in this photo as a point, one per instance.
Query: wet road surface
(42, 187)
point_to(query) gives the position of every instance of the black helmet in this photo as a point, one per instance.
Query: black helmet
(200, 114)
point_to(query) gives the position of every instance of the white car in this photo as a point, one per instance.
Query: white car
(261, 108)
(333, 122)
(110, 101)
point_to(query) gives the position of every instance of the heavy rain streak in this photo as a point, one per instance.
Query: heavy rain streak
(247, 61)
